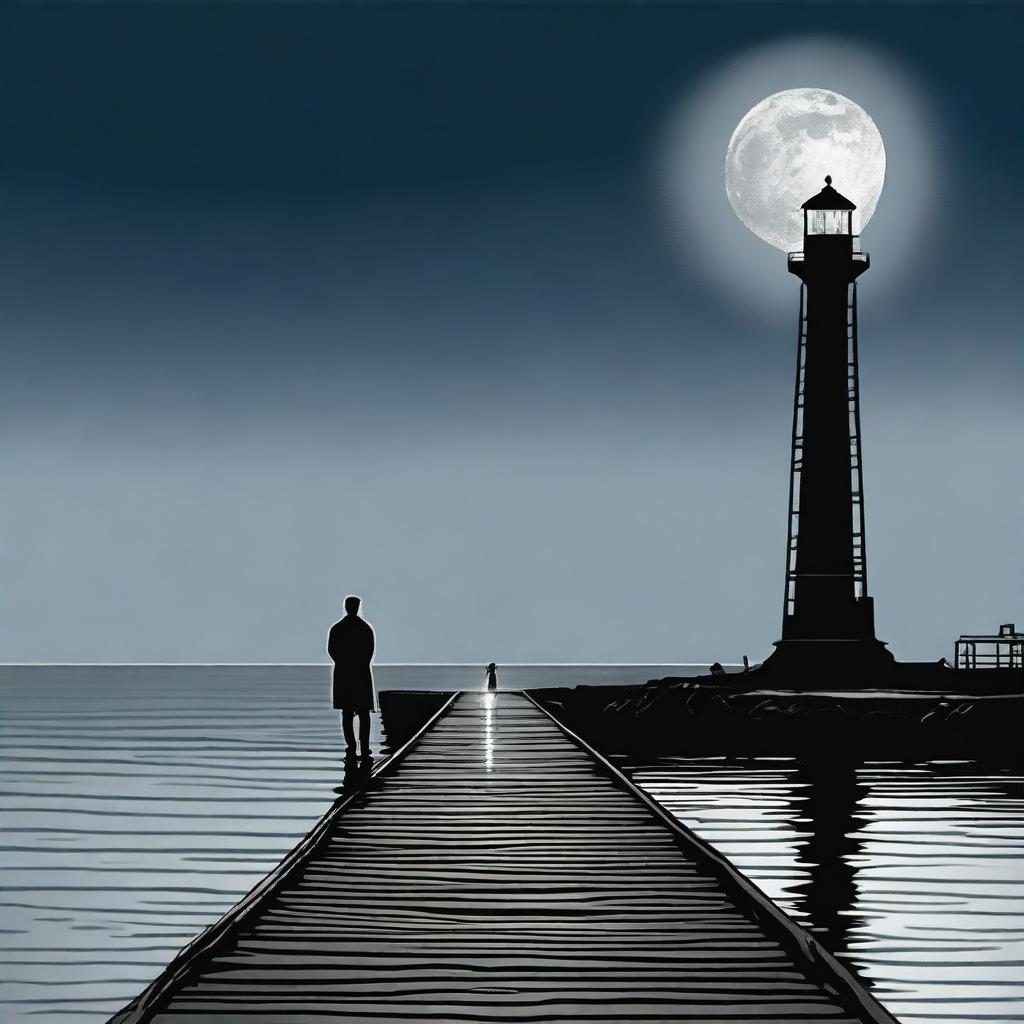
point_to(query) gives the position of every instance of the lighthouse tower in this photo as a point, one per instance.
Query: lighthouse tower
(828, 617)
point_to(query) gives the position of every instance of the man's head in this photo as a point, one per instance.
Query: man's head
(352, 605)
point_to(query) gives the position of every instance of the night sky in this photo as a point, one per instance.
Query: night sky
(301, 301)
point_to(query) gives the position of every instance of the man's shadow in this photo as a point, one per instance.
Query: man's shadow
(357, 771)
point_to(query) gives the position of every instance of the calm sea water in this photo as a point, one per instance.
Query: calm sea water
(912, 874)
(139, 803)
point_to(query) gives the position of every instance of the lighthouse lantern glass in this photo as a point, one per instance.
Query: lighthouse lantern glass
(827, 222)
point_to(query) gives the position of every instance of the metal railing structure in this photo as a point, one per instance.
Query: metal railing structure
(1004, 649)
(856, 255)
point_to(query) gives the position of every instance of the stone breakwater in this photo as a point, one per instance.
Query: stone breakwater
(720, 715)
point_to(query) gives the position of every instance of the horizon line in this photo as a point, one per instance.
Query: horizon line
(378, 664)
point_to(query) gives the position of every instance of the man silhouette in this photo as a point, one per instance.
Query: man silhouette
(350, 645)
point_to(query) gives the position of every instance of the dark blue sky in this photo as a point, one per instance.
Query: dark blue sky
(305, 300)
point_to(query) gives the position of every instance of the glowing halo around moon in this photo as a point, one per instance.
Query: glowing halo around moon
(710, 246)
(782, 149)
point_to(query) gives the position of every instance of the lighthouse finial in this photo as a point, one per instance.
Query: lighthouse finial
(828, 179)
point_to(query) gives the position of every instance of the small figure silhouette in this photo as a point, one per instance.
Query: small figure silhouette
(350, 644)
(492, 676)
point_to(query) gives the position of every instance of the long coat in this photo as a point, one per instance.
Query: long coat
(350, 645)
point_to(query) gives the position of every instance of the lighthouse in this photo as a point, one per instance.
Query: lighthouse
(828, 615)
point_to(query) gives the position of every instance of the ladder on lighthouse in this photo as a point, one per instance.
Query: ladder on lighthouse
(860, 572)
(860, 557)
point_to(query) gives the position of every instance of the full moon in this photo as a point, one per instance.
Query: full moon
(782, 149)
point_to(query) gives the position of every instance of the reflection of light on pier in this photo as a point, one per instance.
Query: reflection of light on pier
(489, 701)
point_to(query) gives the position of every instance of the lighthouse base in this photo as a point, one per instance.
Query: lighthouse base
(824, 664)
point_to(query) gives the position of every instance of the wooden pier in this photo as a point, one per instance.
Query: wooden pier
(498, 869)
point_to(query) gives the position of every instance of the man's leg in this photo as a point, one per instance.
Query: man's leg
(346, 727)
(364, 732)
